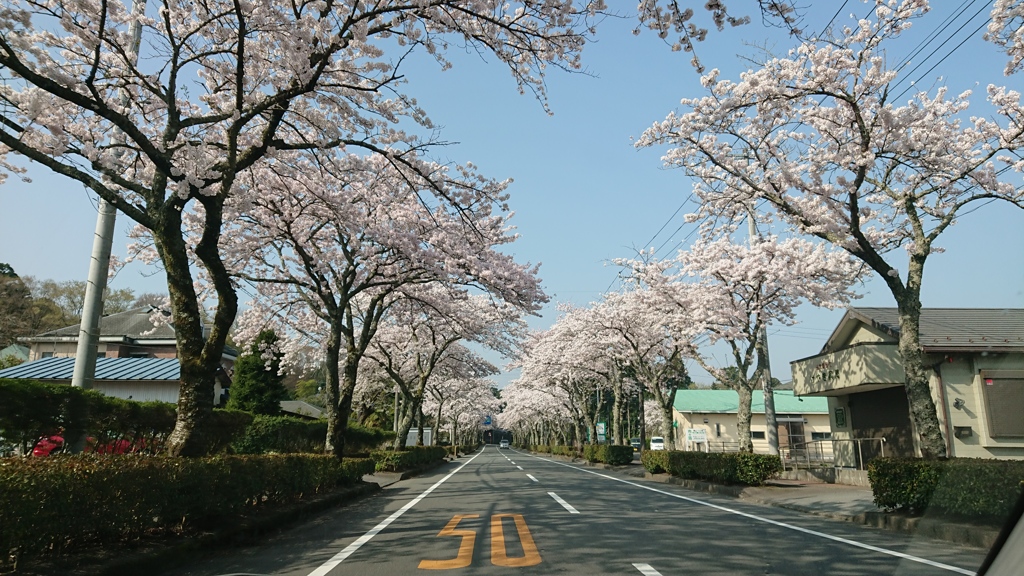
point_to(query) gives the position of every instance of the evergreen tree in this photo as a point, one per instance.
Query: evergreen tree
(257, 386)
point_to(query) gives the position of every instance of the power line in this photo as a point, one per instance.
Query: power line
(942, 26)
(833, 19)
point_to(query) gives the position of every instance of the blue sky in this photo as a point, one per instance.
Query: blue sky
(582, 194)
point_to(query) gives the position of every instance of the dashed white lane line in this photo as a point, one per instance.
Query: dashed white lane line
(351, 548)
(646, 569)
(513, 463)
(807, 531)
(520, 467)
(530, 476)
(564, 504)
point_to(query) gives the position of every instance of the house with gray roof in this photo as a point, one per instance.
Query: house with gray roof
(977, 382)
(140, 379)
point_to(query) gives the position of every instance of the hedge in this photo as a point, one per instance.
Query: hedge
(411, 457)
(455, 449)
(281, 435)
(723, 467)
(968, 487)
(609, 454)
(556, 449)
(55, 504)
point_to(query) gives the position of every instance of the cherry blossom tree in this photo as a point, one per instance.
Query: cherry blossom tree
(219, 87)
(817, 137)
(1007, 30)
(331, 246)
(422, 336)
(730, 291)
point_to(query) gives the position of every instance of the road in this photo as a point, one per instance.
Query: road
(506, 512)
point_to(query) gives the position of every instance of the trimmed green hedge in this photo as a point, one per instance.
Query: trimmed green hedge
(609, 454)
(968, 487)
(556, 449)
(455, 449)
(655, 461)
(58, 503)
(723, 467)
(281, 435)
(411, 457)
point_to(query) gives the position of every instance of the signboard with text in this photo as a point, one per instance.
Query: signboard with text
(696, 435)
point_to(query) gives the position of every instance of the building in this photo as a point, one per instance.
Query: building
(977, 382)
(803, 423)
(15, 353)
(140, 379)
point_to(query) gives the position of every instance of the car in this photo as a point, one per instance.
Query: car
(635, 443)
(657, 443)
(503, 444)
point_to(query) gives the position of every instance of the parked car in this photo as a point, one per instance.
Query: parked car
(635, 443)
(503, 444)
(657, 443)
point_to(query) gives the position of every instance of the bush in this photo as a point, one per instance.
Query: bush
(609, 454)
(724, 467)
(363, 439)
(54, 504)
(969, 487)
(655, 461)
(411, 457)
(282, 435)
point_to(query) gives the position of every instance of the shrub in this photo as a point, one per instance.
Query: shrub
(363, 439)
(282, 435)
(54, 504)
(969, 487)
(590, 453)
(411, 457)
(617, 455)
(724, 467)
(655, 461)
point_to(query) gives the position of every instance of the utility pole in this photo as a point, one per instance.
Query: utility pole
(99, 263)
(764, 364)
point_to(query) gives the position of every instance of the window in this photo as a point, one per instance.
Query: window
(101, 354)
(1004, 401)
(47, 355)
(718, 430)
(757, 435)
(821, 435)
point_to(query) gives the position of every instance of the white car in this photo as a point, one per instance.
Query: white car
(657, 443)
(503, 444)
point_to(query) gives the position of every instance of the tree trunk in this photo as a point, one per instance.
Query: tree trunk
(917, 382)
(617, 410)
(743, 418)
(332, 395)
(419, 429)
(199, 354)
(437, 426)
(668, 429)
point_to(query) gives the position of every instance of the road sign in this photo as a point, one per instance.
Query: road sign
(487, 420)
(696, 435)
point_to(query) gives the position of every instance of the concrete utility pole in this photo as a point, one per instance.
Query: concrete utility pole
(763, 362)
(99, 263)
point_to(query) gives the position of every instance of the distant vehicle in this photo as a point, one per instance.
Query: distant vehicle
(503, 444)
(657, 443)
(635, 443)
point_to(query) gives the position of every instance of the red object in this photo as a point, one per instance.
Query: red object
(47, 445)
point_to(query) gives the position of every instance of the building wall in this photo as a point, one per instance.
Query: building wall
(107, 350)
(722, 430)
(962, 378)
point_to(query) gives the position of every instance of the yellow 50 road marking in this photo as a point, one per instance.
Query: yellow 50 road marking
(499, 555)
(465, 557)
(530, 555)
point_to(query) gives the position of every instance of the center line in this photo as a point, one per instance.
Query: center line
(646, 569)
(520, 467)
(564, 504)
(532, 478)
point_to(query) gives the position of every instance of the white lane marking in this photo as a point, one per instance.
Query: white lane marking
(646, 569)
(520, 467)
(351, 548)
(513, 463)
(564, 504)
(532, 478)
(776, 522)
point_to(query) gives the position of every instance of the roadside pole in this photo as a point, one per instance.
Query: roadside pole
(99, 264)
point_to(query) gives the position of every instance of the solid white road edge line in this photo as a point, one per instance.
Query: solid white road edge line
(530, 476)
(564, 504)
(808, 531)
(646, 569)
(351, 548)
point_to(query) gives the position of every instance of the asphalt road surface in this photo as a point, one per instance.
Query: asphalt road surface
(506, 512)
